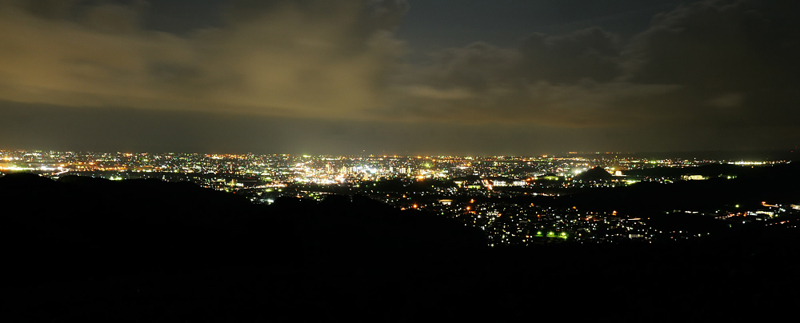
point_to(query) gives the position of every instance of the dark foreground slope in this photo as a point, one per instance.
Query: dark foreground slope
(148, 251)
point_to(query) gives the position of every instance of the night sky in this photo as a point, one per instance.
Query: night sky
(511, 77)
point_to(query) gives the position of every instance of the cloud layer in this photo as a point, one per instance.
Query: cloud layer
(272, 57)
(716, 63)
(720, 70)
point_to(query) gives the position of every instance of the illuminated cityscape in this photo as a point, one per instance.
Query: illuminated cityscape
(515, 200)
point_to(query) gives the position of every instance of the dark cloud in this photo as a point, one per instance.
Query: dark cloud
(717, 45)
(736, 62)
(366, 15)
(386, 14)
(570, 80)
(476, 67)
(706, 68)
(585, 54)
(183, 17)
(114, 18)
(50, 9)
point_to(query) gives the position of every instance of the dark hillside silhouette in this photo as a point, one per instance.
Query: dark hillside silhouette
(594, 174)
(144, 250)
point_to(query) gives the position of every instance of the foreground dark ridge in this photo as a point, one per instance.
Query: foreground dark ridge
(151, 251)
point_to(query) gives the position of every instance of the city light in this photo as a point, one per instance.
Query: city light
(477, 191)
